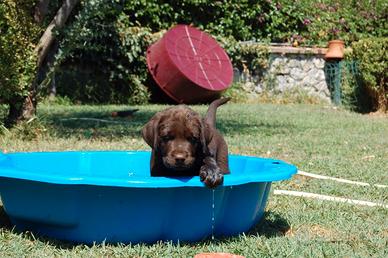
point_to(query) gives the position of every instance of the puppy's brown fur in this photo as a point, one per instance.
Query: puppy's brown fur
(184, 144)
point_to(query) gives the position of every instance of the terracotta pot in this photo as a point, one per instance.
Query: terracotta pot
(335, 49)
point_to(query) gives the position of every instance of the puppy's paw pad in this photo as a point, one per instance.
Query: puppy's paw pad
(214, 180)
(211, 177)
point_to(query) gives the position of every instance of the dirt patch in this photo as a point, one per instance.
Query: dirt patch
(378, 114)
(316, 231)
(320, 231)
(299, 182)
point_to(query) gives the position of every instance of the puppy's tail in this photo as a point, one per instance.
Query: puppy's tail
(210, 117)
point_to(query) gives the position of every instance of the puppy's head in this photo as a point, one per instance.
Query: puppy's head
(176, 136)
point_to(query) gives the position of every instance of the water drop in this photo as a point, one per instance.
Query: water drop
(213, 216)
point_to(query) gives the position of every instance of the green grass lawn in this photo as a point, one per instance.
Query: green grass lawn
(318, 139)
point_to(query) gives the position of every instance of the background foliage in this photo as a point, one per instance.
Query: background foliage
(102, 51)
(372, 58)
(18, 32)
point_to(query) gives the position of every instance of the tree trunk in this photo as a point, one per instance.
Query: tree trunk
(20, 109)
(58, 22)
(382, 99)
(41, 9)
(25, 108)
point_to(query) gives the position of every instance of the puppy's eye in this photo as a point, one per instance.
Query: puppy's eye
(166, 138)
(193, 139)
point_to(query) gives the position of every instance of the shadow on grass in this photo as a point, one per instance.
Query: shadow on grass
(231, 127)
(96, 124)
(100, 124)
(272, 225)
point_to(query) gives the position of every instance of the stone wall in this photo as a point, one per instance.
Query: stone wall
(289, 69)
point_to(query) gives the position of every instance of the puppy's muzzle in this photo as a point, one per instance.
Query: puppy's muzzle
(178, 160)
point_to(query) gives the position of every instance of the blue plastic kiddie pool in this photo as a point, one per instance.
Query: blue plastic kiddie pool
(96, 196)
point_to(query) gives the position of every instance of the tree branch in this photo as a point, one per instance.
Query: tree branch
(41, 9)
(58, 22)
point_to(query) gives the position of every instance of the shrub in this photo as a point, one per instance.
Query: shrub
(101, 56)
(341, 19)
(102, 53)
(18, 32)
(371, 55)
(103, 49)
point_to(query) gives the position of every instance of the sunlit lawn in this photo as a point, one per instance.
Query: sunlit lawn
(318, 139)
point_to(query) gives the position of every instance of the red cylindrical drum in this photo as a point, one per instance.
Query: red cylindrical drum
(189, 65)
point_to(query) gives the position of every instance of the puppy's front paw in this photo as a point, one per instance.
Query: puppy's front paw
(211, 176)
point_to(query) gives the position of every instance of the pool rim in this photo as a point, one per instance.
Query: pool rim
(275, 170)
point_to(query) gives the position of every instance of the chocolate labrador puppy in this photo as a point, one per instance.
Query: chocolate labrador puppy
(184, 144)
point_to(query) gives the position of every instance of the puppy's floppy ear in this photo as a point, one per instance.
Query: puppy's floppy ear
(150, 131)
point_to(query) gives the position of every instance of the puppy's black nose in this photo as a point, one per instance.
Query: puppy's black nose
(180, 158)
(180, 161)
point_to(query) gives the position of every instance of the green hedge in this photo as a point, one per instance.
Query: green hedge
(102, 52)
(371, 55)
(18, 32)
(101, 55)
